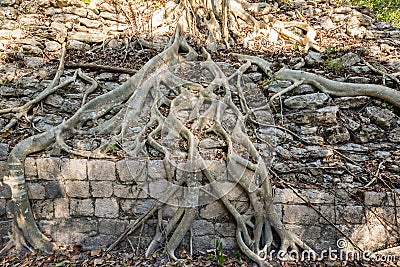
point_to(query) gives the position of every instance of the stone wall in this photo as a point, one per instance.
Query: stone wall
(90, 202)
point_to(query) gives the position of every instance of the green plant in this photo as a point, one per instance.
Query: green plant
(385, 10)
(86, 1)
(334, 64)
(113, 148)
(219, 256)
(330, 50)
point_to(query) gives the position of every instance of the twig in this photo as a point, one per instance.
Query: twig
(99, 67)
(391, 76)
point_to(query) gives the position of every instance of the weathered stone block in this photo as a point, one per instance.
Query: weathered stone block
(286, 196)
(95, 242)
(112, 226)
(204, 243)
(213, 210)
(130, 171)
(101, 188)
(2, 207)
(329, 213)
(78, 189)
(225, 229)
(3, 169)
(73, 169)
(106, 208)
(374, 198)
(144, 205)
(318, 196)
(350, 215)
(202, 227)
(101, 170)
(311, 233)
(156, 170)
(48, 168)
(61, 208)
(81, 207)
(54, 189)
(35, 190)
(299, 214)
(5, 191)
(43, 209)
(30, 168)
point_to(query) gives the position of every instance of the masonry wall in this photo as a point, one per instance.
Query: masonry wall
(90, 202)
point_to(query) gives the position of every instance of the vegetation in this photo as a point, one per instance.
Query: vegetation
(385, 10)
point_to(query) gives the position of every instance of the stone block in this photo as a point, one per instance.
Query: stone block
(48, 168)
(374, 198)
(213, 210)
(73, 169)
(61, 208)
(131, 171)
(5, 228)
(225, 229)
(2, 207)
(143, 205)
(35, 190)
(43, 209)
(202, 227)
(311, 233)
(318, 196)
(300, 214)
(3, 169)
(78, 189)
(10, 209)
(30, 168)
(106, 208)
(204, 243)
(54, 189)
(96, 242)
(101, 170)
(229, 244)
(101, 188)
(329, 213)
(112, 226)
(286, 196)
(81, 207)
(156, 170)
(350, 215)
(5, 191)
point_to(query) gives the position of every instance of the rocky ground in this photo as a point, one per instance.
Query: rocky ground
(321, 141)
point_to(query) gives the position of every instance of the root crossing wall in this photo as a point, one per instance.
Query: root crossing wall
(90, 202)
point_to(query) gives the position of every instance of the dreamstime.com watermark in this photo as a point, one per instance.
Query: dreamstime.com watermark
(330, 254)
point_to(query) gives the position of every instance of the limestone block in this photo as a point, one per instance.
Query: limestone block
(112, 226)
(81, 207)
(35, 190)
(106, 208)
(101, 170)
(73, 169)
(48, 168)
(131, 171)
(101, 188)
(54, 189)
(374, 198)
(202, 227)
(77, 189)
(61, 208)
(225, 229)
(300, 214)
(30, 168)
(43, 209)
(350, 215)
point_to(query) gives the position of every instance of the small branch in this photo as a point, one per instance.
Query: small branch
(99, 67)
